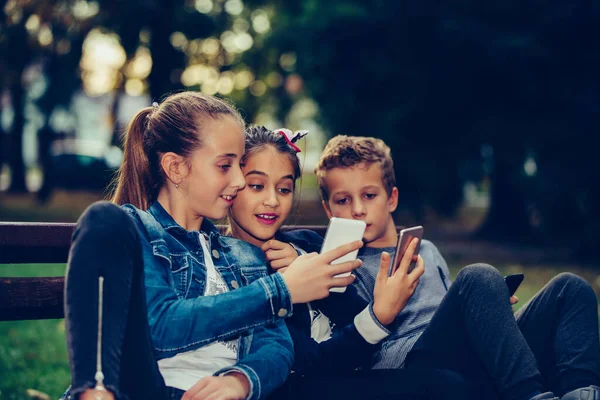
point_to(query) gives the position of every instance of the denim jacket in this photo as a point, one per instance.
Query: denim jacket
(182, 319)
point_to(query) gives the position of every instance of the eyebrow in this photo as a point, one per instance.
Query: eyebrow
(228, 155)
(257, 172)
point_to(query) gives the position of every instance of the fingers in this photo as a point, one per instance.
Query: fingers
(407, 256)
(271, 255)
(340, 251)
(197, 388)
(342, 281)
(273, 245)
(514, 300)
(416, 273)
(384, 267)
(281, 263)
(343, 267)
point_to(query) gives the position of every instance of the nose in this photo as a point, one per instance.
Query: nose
(238, 182)
(271, 199)
(358, 209)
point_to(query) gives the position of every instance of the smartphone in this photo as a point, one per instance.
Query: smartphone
(404, 238)
(342, 231)
(513, 282)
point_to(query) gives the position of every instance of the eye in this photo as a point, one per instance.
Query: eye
(225, 167)
(342, 201)
(256, 187)
(370, 196)
(285, 191)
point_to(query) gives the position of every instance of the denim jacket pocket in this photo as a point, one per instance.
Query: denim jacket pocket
(250, 274)
(180, 274)
(198, 284)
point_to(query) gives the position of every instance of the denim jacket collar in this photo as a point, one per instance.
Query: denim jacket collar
(165, 219)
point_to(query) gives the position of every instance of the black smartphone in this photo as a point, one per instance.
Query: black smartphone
(513, 281)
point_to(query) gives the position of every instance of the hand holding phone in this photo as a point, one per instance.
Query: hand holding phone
(341, 231)
(513, 282)
(404, 238)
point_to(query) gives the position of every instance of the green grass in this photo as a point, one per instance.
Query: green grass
(33, 354)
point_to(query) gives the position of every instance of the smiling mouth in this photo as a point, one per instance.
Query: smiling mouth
(267, 219)
(228, 198)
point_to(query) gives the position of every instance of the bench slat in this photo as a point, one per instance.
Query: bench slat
(35, 242)
(31, 298)
(42, 297)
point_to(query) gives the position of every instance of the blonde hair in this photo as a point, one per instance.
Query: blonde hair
(348, 151)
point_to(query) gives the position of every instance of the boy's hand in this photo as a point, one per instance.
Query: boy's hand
(513, 300)
(279, 254)
(311, 275)
(233, 386)
(392, 293)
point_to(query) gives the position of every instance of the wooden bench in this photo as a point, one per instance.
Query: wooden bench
(29, 243)
(29, 298)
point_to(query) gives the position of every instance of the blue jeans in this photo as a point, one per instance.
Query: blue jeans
(128, 363)
(551, 343)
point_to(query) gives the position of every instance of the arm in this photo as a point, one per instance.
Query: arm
(265, 300)
(341, 308)
(268, 363)
(346, 350)
(439, 263)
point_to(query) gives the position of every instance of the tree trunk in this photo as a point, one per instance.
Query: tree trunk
(15, 156)
(507, 218)
(165, 59)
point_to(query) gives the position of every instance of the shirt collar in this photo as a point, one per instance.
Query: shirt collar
(165, 219)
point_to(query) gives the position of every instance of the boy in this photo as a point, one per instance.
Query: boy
(467, 327)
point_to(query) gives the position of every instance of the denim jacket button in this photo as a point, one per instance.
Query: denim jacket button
(282, 312)
(215, 254)
(234, 284)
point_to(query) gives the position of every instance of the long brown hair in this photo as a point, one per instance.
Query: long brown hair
(173, 126)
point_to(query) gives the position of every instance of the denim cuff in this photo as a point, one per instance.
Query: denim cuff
(254, 392)
(369, 326)
(278, 295)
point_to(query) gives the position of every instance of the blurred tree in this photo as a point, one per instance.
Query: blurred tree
(440, 81)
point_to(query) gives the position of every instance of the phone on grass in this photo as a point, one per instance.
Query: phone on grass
(513, 281)
(404, 238)
(342, 231)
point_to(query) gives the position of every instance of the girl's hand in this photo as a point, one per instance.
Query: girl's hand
(233, 386)
(279, 254)
(311, 276)
(392, 293)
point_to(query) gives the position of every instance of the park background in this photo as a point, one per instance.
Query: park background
(490, 109)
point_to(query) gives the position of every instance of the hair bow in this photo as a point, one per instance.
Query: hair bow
(292, 138)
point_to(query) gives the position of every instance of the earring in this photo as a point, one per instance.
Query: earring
(177, 186)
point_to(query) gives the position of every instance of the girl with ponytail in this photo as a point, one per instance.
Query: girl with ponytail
(159, 305)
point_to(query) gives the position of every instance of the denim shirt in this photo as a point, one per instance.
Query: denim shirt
(182, 319)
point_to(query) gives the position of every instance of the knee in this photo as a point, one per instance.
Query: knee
(105, 219)
(480, 277)
(480, 273)
(101, 212)
(573, 283)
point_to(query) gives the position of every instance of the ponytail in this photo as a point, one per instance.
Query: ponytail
(134, 180)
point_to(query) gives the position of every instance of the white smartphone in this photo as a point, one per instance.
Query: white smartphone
(342, 231)
(404, 238)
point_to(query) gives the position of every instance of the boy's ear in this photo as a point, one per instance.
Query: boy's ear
(326, 208)
(174, 166)
(393, 200)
